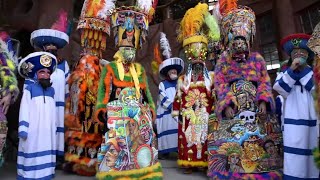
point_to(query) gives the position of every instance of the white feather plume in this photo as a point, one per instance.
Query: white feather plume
(9, 54)
(216, 12)
(145, 5)
(165, 46)
(106, 11)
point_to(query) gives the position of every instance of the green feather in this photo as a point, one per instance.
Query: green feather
(316, 154)
(214, 30)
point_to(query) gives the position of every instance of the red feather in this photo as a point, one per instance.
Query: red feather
(154, 5)
(62, 23)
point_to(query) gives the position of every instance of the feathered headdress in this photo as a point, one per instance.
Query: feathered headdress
(9, 62)
(237, 21)
(57, 35)
(142, 12)
(7, 50)
(198, 25)
(94, 23)
(169, 62)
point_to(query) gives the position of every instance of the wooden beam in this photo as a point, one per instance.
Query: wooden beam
(166, 5)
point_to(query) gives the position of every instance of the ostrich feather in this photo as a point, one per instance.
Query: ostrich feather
(145, 5)
(216, 12)
(107, 9)
(62, 23)
(227, 5)
(165, 46)
(214, 30)
(156, 59)
(155, 3)
(4, 48)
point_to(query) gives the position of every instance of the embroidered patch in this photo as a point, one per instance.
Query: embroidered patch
(45, 60)
(27, 67)
(296, 42)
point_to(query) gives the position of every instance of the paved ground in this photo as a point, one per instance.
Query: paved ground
(170, 170)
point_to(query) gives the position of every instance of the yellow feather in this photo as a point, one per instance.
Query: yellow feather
(192, 21)
(154, 66)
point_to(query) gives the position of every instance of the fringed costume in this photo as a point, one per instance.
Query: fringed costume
(50, 40)
(83, 136)
(9, 84)
(169, 70)
(194, 100)
(314, 45)
(301, 126)
(38, 124)
(247, 140)
(124, 104)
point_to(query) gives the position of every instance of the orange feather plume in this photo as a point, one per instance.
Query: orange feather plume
(156, 59)
(227, 5)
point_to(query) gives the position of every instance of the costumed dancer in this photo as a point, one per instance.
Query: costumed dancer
(50, 40)
(84, 136)
(9, 90)
(248, 139)
(194, 100)
(37, 119)
(314, 45)
(300, 135)
(125, 105)
(169, 69)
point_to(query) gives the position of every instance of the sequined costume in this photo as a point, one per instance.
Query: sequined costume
(246, 144)
(8, 84)
(124, 104)
(83, 136)
(194, 100)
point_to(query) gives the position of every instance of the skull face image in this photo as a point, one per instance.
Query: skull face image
(248, 116)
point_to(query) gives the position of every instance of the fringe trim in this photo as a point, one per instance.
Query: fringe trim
(274, 175)
(83, 170)
(184, 163)
(78, 160)
(152, 172)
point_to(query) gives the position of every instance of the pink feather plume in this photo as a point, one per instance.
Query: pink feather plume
(62, 23)
(4, 36)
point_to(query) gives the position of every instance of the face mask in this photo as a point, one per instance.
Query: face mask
(173, 76)
(239, 46)
(302, 60)
(128, 53)
(301, 55)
